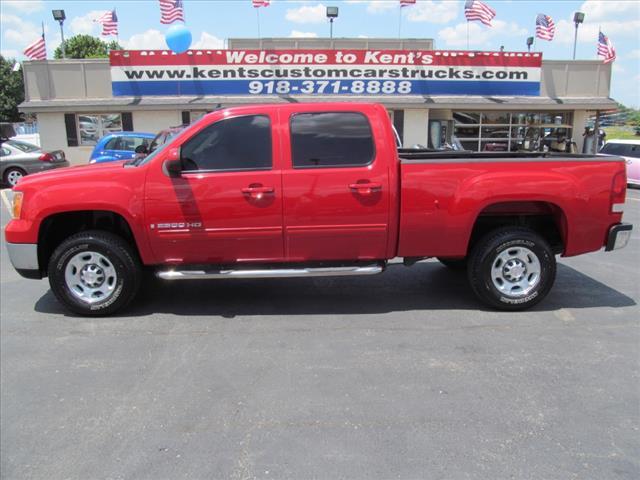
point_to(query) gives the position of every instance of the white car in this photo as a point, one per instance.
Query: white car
(630, 151)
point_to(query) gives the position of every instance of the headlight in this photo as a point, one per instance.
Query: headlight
(16, 205)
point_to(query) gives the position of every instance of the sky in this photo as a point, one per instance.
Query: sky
(213, 21)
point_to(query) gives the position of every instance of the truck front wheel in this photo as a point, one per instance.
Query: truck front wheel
(511, 268)
(94, 273)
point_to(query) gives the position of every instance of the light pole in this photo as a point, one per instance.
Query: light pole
(332, 12)
(578, 18)
(529, 43)
(59, 16)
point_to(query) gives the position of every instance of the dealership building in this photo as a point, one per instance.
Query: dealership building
(523, 103)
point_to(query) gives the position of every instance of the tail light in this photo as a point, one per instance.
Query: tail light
(618, 191)
(46, 157)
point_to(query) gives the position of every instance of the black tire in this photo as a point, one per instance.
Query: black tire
(8, 173)
(123, 259)
(490, 252)
(454, 263)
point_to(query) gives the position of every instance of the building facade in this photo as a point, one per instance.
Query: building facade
(78, 101)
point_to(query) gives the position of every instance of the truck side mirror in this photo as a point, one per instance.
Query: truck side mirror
(172, 165)
(141, 149)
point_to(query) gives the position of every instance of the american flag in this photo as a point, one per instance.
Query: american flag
(605, 48)
(171, 11)
(406, 3)
(475, 10)
(545, 28)
(37, 50)
(109, 21)
(260, 3)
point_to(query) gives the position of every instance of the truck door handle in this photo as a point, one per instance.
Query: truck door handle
(365, 188)
(257, 192)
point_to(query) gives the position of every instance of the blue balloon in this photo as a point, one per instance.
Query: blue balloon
(178, 38)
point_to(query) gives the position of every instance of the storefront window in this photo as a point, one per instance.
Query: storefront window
(513, 131)
(92, 127)
(498, 118)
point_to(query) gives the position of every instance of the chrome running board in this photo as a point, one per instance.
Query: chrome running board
(272, 273)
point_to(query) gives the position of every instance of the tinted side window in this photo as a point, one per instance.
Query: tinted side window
(242, 143)
(112, 144)
(633, 151)
(614, 149)
(130, 143)
(335, 139)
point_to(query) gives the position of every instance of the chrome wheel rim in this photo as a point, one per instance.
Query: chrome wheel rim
(90, 277)
(516, 271)
(13, 176)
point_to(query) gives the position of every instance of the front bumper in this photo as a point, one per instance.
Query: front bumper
(618, 236)
(24, 258)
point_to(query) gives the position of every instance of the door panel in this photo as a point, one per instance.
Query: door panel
(207, 218)
(226, 207)
(334, 213)
(327, 220)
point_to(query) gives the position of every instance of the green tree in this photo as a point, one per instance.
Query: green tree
(86, 46)
(11, 90)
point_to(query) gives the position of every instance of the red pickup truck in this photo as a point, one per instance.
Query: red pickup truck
(303, 190)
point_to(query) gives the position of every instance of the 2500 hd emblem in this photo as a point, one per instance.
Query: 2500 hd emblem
(174, 225)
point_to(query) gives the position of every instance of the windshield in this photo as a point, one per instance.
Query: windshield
(23, 146)
(623, 149)
(143, 160)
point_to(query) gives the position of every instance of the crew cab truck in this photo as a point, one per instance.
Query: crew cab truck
(303, 190)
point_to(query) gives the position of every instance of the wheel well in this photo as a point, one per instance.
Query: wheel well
(56, 228)
(546, 219)
(9, 168)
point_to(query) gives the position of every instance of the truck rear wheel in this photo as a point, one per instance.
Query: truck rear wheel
(94, 273)
(512, 268)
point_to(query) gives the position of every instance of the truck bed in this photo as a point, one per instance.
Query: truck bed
(445, 193)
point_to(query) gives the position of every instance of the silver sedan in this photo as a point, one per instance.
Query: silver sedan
(18, 158)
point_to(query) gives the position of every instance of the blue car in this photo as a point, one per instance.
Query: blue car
(120, 146)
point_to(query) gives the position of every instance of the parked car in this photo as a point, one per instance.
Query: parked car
(630, 151)
(119, 146)
(18, 159)
(307, 190)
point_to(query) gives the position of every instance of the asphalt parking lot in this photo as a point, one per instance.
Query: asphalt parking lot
(401, 375)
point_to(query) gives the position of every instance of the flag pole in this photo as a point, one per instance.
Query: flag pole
(258, 19)
(399, 19)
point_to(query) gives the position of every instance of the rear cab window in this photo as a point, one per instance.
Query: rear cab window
(23, 146)
(331, 139)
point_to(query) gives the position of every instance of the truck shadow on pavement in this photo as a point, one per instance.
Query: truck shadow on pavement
(427, 286)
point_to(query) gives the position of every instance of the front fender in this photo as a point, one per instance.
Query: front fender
(110, 188)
